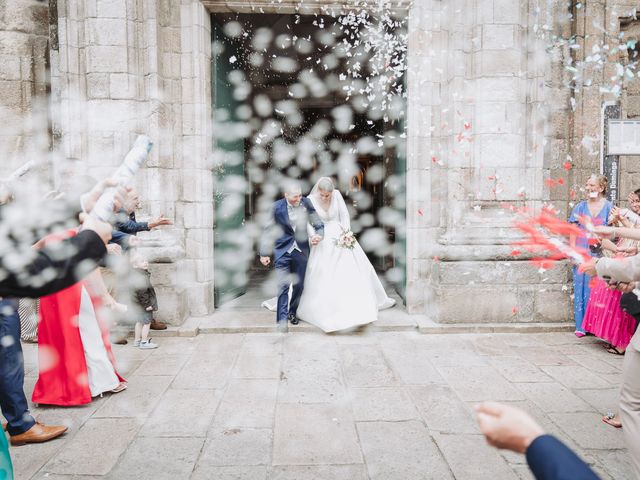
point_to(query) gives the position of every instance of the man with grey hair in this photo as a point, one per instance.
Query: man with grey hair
(286, 236)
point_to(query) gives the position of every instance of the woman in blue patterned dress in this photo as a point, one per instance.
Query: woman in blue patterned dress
(596, 209)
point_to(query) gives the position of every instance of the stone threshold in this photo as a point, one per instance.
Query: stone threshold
(260, 321)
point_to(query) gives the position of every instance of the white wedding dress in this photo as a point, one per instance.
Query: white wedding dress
(341, 289)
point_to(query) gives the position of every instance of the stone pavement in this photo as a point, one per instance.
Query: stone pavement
(304, 406)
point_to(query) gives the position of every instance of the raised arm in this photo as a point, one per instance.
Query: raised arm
(55, 267)
(619, 269)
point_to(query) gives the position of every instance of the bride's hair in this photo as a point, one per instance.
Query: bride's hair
(326, 185)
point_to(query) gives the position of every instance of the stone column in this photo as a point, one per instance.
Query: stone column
(196, 201)
(480, 145)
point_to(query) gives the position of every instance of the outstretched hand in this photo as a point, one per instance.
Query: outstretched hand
(507, 427)
(588, 268)
(159, 221)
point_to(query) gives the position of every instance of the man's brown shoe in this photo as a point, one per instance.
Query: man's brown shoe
(156, 325)
(37, 434)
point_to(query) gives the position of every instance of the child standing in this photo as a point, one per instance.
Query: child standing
(145, 298)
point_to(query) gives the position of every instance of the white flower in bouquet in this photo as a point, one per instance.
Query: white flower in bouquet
(346, 240)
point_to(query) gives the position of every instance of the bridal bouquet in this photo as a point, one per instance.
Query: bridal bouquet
(346, 240)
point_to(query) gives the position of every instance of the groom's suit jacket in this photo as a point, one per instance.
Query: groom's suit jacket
(279, 234)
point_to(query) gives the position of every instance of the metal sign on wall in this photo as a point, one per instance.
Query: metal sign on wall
(624, 137)
(610, 166)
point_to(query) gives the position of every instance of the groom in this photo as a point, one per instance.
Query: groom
(287, 228)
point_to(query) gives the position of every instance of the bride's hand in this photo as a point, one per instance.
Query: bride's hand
(315, 240)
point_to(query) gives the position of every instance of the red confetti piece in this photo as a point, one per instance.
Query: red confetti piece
(545, 235)
(491, 177)
(515, 253)
(593, 282)
(514, 310)
(550, 182)
(567, 166)
(434, 159)
(420, 212)
(436, 259)
(467, 125)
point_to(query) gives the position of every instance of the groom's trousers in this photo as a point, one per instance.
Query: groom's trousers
(290, 269)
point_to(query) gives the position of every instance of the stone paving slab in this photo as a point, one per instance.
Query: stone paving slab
(319, 472)
(237, 447)
(230, 473)
(138, 400)
(96, 447)
(460, 449)
(247, 403)
(401, 451)
(315, 434)
(310, 406)
(382, 404)
(194, 408)
(177, 461)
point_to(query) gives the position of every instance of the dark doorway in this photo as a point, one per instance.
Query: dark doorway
(280, 76)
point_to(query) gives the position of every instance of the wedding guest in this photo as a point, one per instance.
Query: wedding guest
(595, 209)
(604, 316)
(74, 354)
(127, 227)
(147, 301)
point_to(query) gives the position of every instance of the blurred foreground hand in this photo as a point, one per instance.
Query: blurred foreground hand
(507, 427)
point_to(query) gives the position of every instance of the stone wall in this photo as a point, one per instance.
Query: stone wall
(125, 67)
(24, 38)
(588, 26)
(477, 137)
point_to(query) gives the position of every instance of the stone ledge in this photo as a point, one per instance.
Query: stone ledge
(428, 326)
(250, 321)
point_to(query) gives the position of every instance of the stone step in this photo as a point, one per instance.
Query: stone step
(428, 326)
(393, 320)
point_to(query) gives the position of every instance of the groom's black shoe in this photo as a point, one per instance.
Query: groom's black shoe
(293, 319)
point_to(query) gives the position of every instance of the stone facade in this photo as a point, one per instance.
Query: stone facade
(24, 39)
(489, 120)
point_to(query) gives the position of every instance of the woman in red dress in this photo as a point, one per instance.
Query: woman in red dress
(74, 354)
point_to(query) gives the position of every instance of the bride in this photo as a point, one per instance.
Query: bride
(341, 288)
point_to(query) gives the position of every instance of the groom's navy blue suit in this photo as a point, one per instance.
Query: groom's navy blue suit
(291, 249)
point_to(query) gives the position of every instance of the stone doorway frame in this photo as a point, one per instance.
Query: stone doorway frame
(413, 287)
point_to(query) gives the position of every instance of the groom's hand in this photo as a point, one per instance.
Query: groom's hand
(316, 239)
(265, 261)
